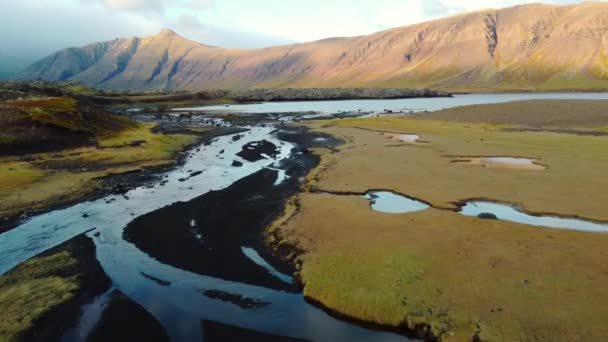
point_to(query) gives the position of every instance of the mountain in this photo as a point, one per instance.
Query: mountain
(529, 47)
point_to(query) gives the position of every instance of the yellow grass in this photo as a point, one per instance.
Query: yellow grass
(32, 290)
(462, 276)
(34, 185)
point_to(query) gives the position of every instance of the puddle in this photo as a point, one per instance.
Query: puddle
(406, 138)
(501, 162)
(513, 213)
(391, 203)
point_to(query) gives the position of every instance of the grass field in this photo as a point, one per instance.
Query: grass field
(547, 114)
(48, 179)
(459, 276)
(50, 288)
(33, 290)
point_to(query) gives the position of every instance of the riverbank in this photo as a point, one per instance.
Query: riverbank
(35, 183)
(228, 228)
(42, 297)
(439, 273)
(207, 234)
(77, 152)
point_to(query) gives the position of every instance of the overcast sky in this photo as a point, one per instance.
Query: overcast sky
(31, 29)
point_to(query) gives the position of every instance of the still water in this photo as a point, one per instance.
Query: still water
(416, 104)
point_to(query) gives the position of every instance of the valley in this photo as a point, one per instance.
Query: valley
(433, 171)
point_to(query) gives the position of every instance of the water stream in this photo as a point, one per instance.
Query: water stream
(174, 296)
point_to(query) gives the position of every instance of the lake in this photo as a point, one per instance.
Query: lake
(414, 104)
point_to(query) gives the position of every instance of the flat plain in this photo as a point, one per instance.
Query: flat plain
(437, 272)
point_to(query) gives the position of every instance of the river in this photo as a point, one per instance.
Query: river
(180, 306)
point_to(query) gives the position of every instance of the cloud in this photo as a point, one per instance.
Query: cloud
(134, 5)
(439, 8)
(201, 4)
(189, 21)
(152, 6)
(32, 29)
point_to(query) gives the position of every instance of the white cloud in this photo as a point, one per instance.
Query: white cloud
(134, 5)
(153, 5)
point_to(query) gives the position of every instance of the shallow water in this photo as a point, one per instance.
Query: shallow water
(512, 213)
(255, 257)
(510, 160)
(416, 104)
(177, 301)
(406, 138)
(48, 230)
(391, 203)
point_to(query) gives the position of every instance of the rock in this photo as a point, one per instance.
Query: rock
(487, 216)
(236, 163)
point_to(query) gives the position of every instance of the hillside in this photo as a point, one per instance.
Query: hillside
(529, 47)
(39, 119)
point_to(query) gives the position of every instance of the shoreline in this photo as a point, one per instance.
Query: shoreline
(232, 212)
(319, 259)
(121, 182)
(91, 282)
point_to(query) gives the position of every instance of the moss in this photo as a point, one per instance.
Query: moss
(462, 276)
(456, 274)
(57, 104)
(14, 175)
(32, 290)
(53, 178)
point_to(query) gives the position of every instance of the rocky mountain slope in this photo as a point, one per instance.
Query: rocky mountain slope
(529, 47)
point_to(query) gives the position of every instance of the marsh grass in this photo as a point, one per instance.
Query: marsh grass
(463, 276)
(53, 178)
(33, 289)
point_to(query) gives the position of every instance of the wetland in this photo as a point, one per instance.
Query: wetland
(203, 226)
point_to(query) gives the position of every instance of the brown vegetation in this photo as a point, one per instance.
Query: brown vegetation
(440, 273)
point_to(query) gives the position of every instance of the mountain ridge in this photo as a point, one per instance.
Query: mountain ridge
(525, 47)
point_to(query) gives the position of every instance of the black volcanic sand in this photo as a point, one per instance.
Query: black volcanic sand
(236, 299)
(218, 332)
(253, 151)
(227, 220)
(122, 183)
(125, 320)
(93, 282)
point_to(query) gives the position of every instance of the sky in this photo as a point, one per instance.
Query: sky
(32, 29)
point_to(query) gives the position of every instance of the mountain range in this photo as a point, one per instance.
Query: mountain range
(528, 47)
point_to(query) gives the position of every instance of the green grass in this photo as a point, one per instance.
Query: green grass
(32, 290)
